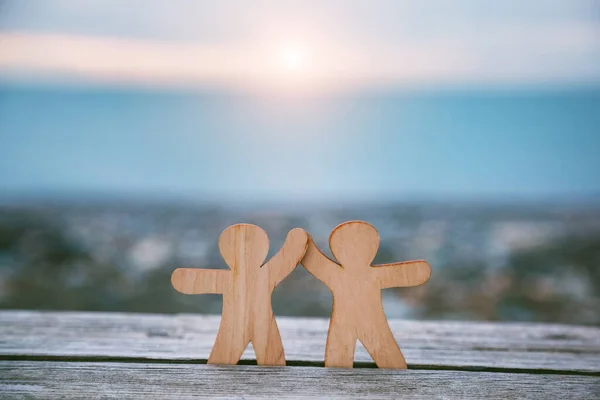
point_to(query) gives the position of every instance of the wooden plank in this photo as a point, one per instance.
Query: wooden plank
(464, 345)
(127, 380)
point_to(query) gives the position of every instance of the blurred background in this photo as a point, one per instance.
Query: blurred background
(133, 132)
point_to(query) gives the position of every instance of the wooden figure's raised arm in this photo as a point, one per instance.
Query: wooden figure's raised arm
(318, 264)
(402, 274)
(200, 281)
(288, 257)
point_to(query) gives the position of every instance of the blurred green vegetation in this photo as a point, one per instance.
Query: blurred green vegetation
(555, 282)
(43, 267)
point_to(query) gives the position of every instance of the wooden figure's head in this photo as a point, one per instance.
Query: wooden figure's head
(354, 244)
(244, 246)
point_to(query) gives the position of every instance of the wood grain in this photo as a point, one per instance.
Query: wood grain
(356, 286)
(25, 379)
(247, 288)
(184, 337)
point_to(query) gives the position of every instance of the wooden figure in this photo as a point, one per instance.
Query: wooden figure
(246, 288)
(356, 286)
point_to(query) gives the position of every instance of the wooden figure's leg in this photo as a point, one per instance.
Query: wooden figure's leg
(341, 343)
(381, 345)
(229, 345)
(268, 346)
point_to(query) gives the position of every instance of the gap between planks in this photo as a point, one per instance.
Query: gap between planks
(292, 364)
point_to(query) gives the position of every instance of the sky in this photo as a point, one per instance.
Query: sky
(307, 45)
(284, 100)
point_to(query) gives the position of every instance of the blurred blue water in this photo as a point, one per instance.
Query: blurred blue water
(344, 146)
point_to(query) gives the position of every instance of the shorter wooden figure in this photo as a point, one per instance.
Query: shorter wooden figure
(246, 288)
(356, 286)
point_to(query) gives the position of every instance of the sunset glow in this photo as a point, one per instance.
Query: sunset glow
(299, 48)
(294, 58)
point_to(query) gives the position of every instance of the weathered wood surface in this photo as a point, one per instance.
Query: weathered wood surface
(426, 345)
(26, 379)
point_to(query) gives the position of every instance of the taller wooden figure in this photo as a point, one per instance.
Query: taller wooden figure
(246, 288)
(356, 286)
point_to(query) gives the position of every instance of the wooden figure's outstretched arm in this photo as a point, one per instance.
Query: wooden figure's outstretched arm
(318, 264)
(403, 274)
(200, 281)
(287, 258)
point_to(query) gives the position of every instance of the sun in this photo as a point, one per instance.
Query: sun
(295, 67)
(293, 58)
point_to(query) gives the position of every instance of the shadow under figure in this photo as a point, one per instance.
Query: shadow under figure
(246, 288)
(356, 286)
